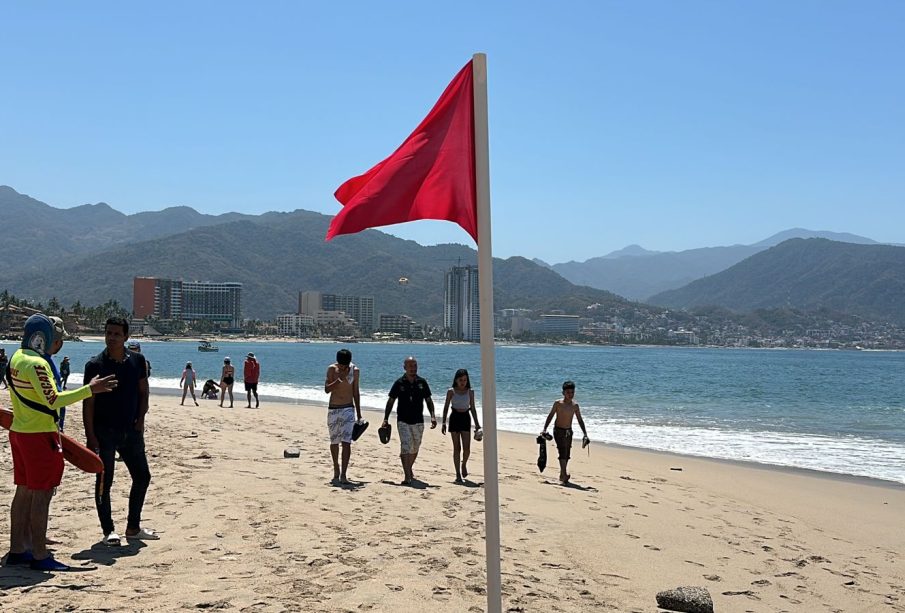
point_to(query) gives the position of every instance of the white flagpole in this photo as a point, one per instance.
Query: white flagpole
(488, 367)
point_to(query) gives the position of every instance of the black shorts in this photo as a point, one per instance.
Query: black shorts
(227, 380)
(251, 387)
(460, 421)
(563, 438)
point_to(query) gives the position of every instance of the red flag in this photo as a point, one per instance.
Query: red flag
(430, 176)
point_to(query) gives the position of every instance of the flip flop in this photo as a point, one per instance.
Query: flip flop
(144, 535)
(112, 540)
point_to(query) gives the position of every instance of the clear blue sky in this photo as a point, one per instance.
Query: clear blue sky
(669, 124)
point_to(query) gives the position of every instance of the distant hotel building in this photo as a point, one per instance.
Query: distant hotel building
(461, 312)
(294, 325)
(359, 308)
(190, 301)
(560, 325)
(401, 325)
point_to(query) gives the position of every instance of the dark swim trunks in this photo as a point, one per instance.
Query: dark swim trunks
(563, 438)
(228, 380)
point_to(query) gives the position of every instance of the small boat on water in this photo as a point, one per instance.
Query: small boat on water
(206, 346)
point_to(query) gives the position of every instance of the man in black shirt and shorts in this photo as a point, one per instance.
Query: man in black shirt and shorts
(412, 392)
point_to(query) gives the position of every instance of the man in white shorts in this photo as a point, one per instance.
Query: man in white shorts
(412, 392)
(345, 401)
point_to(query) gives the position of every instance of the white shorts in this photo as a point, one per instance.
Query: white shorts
(340, 423)
(410, 436)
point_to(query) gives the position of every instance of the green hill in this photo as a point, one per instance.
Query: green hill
(278, 254)
(806, 274)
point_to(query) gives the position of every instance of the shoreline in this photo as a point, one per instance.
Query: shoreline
(825, 474)
(244, 528)
(330, 341)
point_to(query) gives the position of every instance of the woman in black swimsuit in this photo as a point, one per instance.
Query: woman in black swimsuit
(226, 382)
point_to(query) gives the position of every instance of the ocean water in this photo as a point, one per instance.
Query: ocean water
(835, 411)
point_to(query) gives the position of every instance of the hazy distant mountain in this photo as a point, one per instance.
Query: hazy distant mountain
(629, 251)
(278, 254)
(841, 237)
(646, 273)
(88, 228)
(807, 274)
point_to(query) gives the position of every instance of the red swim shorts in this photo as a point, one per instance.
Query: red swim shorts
(37, 459)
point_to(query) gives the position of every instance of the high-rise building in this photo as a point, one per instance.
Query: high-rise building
(220, 303)
(461, 309)
(359, 308)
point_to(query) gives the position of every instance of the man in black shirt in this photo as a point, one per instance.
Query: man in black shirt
(412, 392)
(115, 422)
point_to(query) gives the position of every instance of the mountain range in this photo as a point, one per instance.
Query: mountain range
(97, 251)
(807, 274)
(638, 274)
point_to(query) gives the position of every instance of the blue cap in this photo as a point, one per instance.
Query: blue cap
(37, 333)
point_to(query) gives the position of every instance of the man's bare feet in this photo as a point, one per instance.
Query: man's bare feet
(464, 470)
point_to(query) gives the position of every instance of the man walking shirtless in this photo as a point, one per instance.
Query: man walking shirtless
(341, 383)
(564, 410)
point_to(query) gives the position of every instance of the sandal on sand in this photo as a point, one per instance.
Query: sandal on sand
(144, 535)
(112, 540)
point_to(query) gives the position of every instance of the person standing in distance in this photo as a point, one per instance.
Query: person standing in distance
(227, 378)
(187, 382)
(35, 440)
(65, 370)
(116, 422)
(251, 372)
(4, 362)
(412, 392)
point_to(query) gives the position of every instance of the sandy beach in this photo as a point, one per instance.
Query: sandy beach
(245, 529)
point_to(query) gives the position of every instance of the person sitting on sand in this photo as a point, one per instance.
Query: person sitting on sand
(188, 383)
(210, 390)
(564, 410)
(227, 377)
(461, 398)
(341, 383)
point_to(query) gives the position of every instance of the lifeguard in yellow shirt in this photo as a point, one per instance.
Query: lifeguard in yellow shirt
(34, 438)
